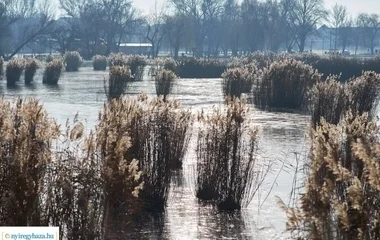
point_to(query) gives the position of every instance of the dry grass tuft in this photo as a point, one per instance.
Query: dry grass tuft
(53, 72)
(15, 67)
(200, 68)
(99, 63)
(226, 157)
(117, 82)
(73, 61)
(164, 80)
(31, 67)
(284, 85)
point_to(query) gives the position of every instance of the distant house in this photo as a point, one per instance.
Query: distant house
(135, 48)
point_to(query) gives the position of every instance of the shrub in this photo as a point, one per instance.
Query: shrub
(73, 60)
(285, 85)
(31, 67)
(117, 82)
(99, 63)
(263, 59)
(342, 190)
(328, 100)
(53, 72)
(137, 64)
(1, 66)
(226, 157)
(239, 80)
(164, 82)
(200, 68)
(117, 59)
(15, 67)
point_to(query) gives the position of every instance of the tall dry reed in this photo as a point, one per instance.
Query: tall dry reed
(341, 194)
(284, 85)
(31, 67)
(53, 71)
(117, 82)
(239, 80)
(73, 61)
(228, 170)
(14, 70)
(164, 81)
(99, 63)
(137, 65)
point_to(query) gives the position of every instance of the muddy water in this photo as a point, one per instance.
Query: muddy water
(282, 139)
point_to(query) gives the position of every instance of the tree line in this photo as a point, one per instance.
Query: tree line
(203, 27)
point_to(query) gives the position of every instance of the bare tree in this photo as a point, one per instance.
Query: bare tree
(306, 14)
(32, 19)
(338, 19)
(202, 13)
(175, 30)
(155, 31)
(370, 24)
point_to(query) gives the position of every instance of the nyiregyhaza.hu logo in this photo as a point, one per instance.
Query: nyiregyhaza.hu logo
(29, 233)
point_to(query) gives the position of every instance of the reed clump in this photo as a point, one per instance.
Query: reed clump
(328, 101)
(164, 80)
(341, 193)
(331, 99)
(200, 68)
(228, 171)
(14, 70)
(137, 65)
(363, 93)
(239, 80)
(159, 138)
(1, 66)
(284, 85)
(117, 82)
(117, 59)
(31, 67)
(73, 61)
(99, 63)
(26, 137)
(53, 71)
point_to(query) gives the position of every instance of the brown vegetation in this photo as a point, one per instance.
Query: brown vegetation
(53, 72)
(99, 63)
(72, 60)
(14, 69)
(31, 67)
(227, 165)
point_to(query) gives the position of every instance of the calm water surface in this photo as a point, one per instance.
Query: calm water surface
(282, 138)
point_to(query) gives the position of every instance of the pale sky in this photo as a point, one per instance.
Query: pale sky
(354, 6)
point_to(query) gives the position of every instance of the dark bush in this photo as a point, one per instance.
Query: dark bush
(164, 80)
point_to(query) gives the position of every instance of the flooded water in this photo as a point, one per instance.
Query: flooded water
(282, 139)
